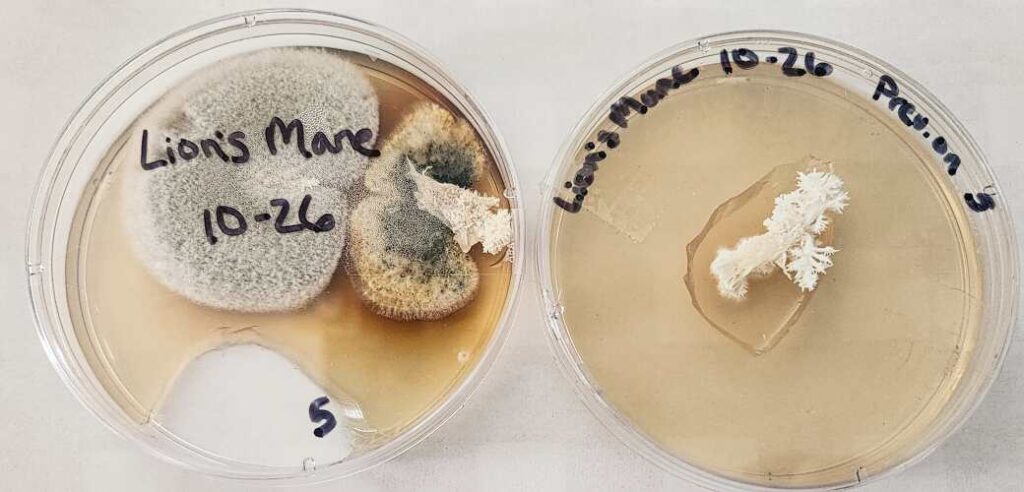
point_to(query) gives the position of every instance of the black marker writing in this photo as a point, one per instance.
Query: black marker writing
(277, 126)
(146, 164)
(237, 140)
(744, 58)
(747, 59)
(821, 69)
(626, 106)
(909, 116)
(979, 202)
(317, 414)
(234, 149)
(619, 114)
(320, 142)
(818, 69)
(188, 150)
(231, 222)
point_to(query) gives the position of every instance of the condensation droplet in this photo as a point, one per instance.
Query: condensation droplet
(250, 20)
(556, 311)
(703, 46)
(463, 356)
(309, 464)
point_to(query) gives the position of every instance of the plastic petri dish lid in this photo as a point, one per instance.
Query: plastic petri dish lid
(865, 374)
(271, 298)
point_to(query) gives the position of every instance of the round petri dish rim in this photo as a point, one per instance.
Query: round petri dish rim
(48, 232)
(994, 235)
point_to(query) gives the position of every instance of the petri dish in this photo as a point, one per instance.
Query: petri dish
(239, 254)
(714, 324)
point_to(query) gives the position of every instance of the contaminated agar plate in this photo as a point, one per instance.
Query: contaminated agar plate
(277, 245)
(770, 260)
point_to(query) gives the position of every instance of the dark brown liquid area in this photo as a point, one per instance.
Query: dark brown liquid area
(139, 336)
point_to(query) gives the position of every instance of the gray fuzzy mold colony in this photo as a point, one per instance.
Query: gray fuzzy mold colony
(403, 261)
(261, 269)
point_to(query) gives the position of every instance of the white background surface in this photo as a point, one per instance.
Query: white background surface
(535, 67)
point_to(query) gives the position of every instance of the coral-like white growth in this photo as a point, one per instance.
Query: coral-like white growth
(467, 213)
(790, 241)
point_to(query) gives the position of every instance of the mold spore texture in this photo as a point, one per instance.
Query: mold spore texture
(405, 262)
(261, 270)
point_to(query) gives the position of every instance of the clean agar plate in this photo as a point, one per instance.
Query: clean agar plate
(276, 245)
(773, 261)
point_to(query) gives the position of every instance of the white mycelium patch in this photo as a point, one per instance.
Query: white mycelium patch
(468, 214)
(790, 241)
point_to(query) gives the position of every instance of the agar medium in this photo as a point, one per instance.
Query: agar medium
(197, 252)
(770, 260)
